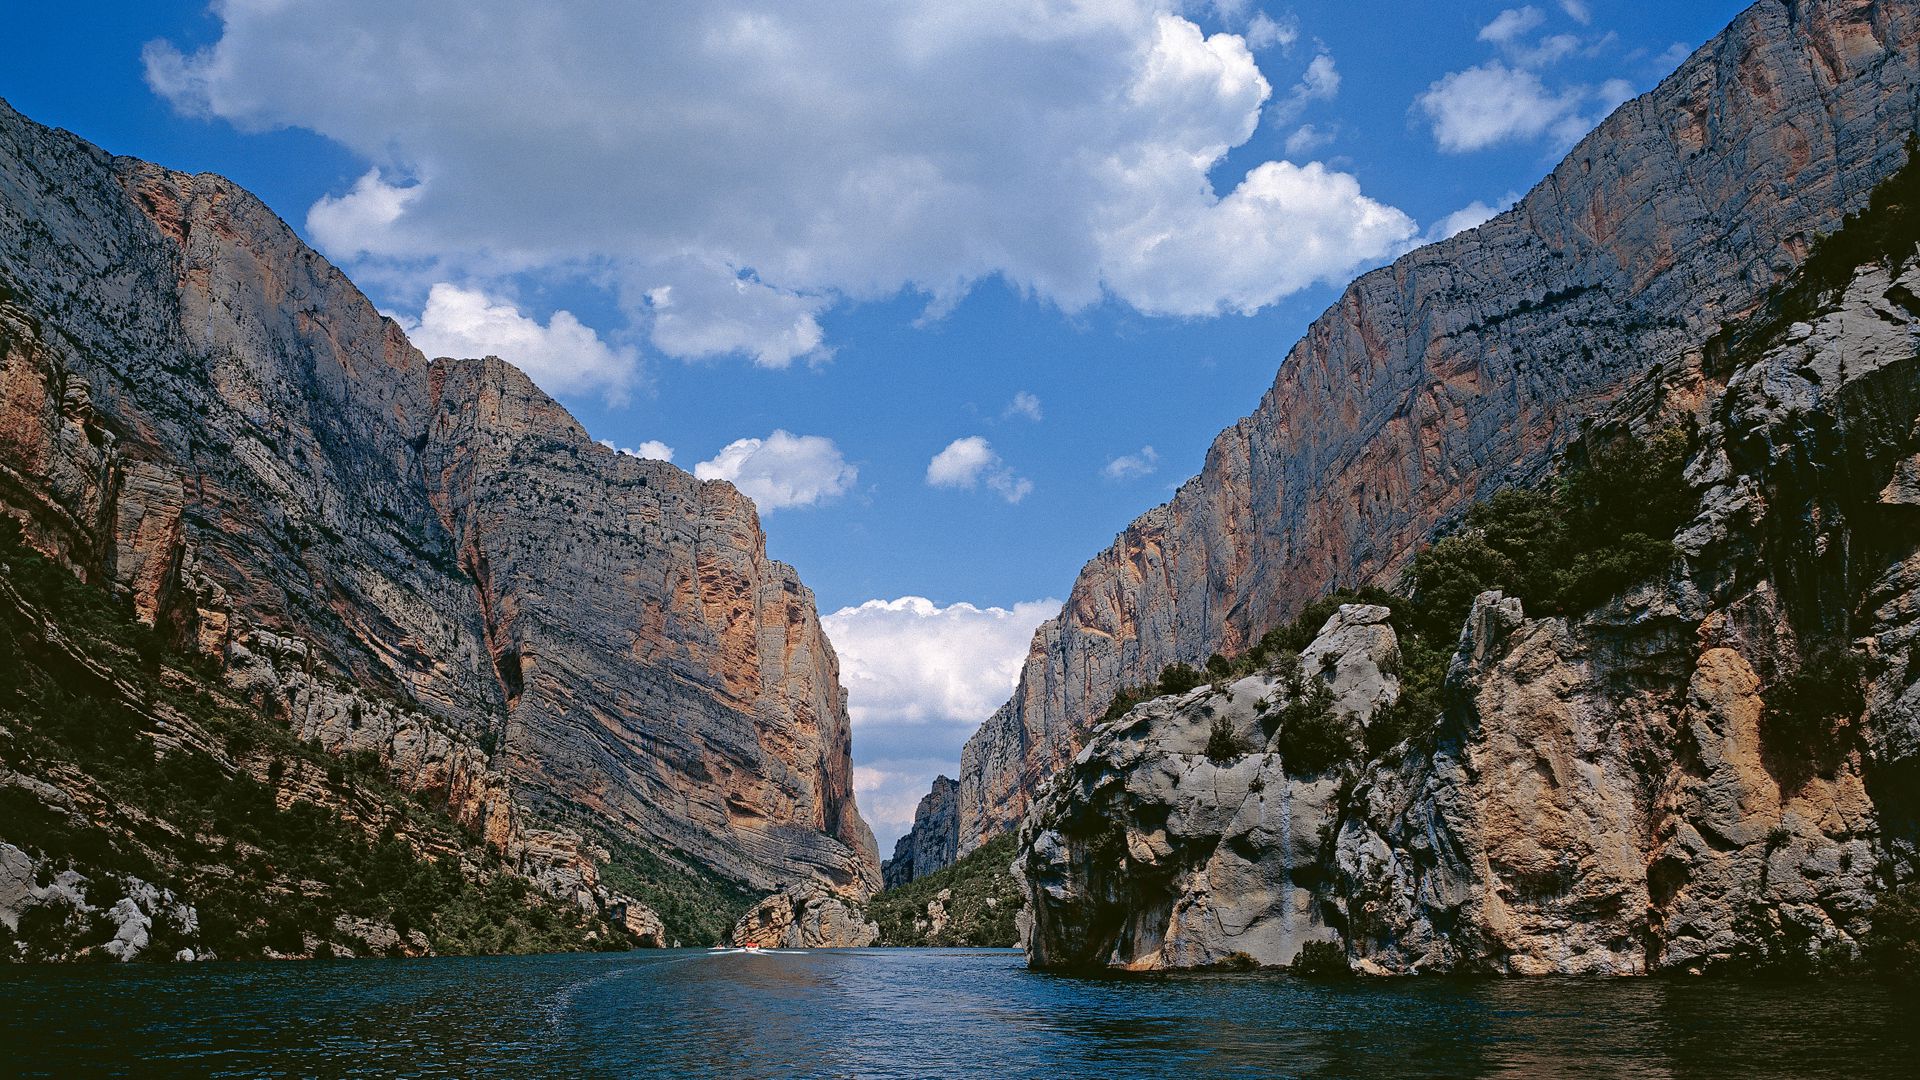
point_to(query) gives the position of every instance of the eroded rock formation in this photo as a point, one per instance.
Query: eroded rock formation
(426, 560)
(1601, 794)
(1466, 365)
(805, 916)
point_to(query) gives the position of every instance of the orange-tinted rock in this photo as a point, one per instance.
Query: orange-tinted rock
(428, 560)
(1467, 364)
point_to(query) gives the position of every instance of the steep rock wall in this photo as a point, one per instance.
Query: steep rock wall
(1601, 795)
(205, 416)
(1467, 364)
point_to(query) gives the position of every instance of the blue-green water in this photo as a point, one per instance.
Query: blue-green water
(888, 1013)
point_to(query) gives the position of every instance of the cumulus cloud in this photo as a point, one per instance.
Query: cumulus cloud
(737, 168)
(1472, 215)
(782, 470)
(970, 462)
(1492, 103)
(720, 311)
(1577, 10)
(1023, 404)
(361, 221)
(1128, 466)
(920, 677)
(651, 450)
(1512, 24)
(563, 356)
(1228, 259)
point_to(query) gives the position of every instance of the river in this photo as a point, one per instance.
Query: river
(912, 1013)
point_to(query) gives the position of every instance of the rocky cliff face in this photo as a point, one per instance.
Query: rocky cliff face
(1467, 364)
(426, 560)
(930, 844)
(1611, 793)
(805, 916)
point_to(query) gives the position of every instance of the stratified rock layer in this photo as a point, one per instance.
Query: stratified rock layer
(428, 560)
(1467, 364)
(1600, 795)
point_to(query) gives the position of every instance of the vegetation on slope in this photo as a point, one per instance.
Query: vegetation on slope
(697, 906)
(1602, 526)
(230, 828)
(980, 908)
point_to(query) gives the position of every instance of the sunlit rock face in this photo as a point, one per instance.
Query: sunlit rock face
(805, 916)
(1466, 365)
(425, 559)
(1599, 796)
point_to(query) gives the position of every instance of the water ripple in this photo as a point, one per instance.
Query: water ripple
(911, 1013)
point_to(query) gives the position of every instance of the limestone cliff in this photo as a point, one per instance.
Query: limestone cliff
(1466, 365)
(1620, 791)
(425, 560)
(929, 845)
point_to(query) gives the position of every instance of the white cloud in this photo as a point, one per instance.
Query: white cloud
(1472, 215)
(651, 450)
(1577, 10)
(970, 462)
(1128, 466)
(1512, 24)
(782, 470)
(1306, 140)
(563, 356)
(920, 678)
(1265, 32)
(1232, 259)
(961, 463)
(762, 162)
(1548, 50)
(1320, 82)
(1024, 404)
(361, 221)
(715, 311)
(1492, 103)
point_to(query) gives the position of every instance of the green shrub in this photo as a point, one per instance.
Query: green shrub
(1179, 678)
(1802, 724)
(1223, 743)
(221, 841)
(1312, 737)
(1321, 959)
(1564, 548)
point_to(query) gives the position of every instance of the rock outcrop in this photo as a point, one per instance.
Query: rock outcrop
(122, 911)
(931, 843)
(805, 916)
(428, 561)
(1602, 794)
(1466, 365)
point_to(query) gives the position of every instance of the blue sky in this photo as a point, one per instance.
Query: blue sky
(1029, 239)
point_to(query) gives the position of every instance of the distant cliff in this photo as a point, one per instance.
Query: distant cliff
(1468, 364)
(428, 561)
(930, 844)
